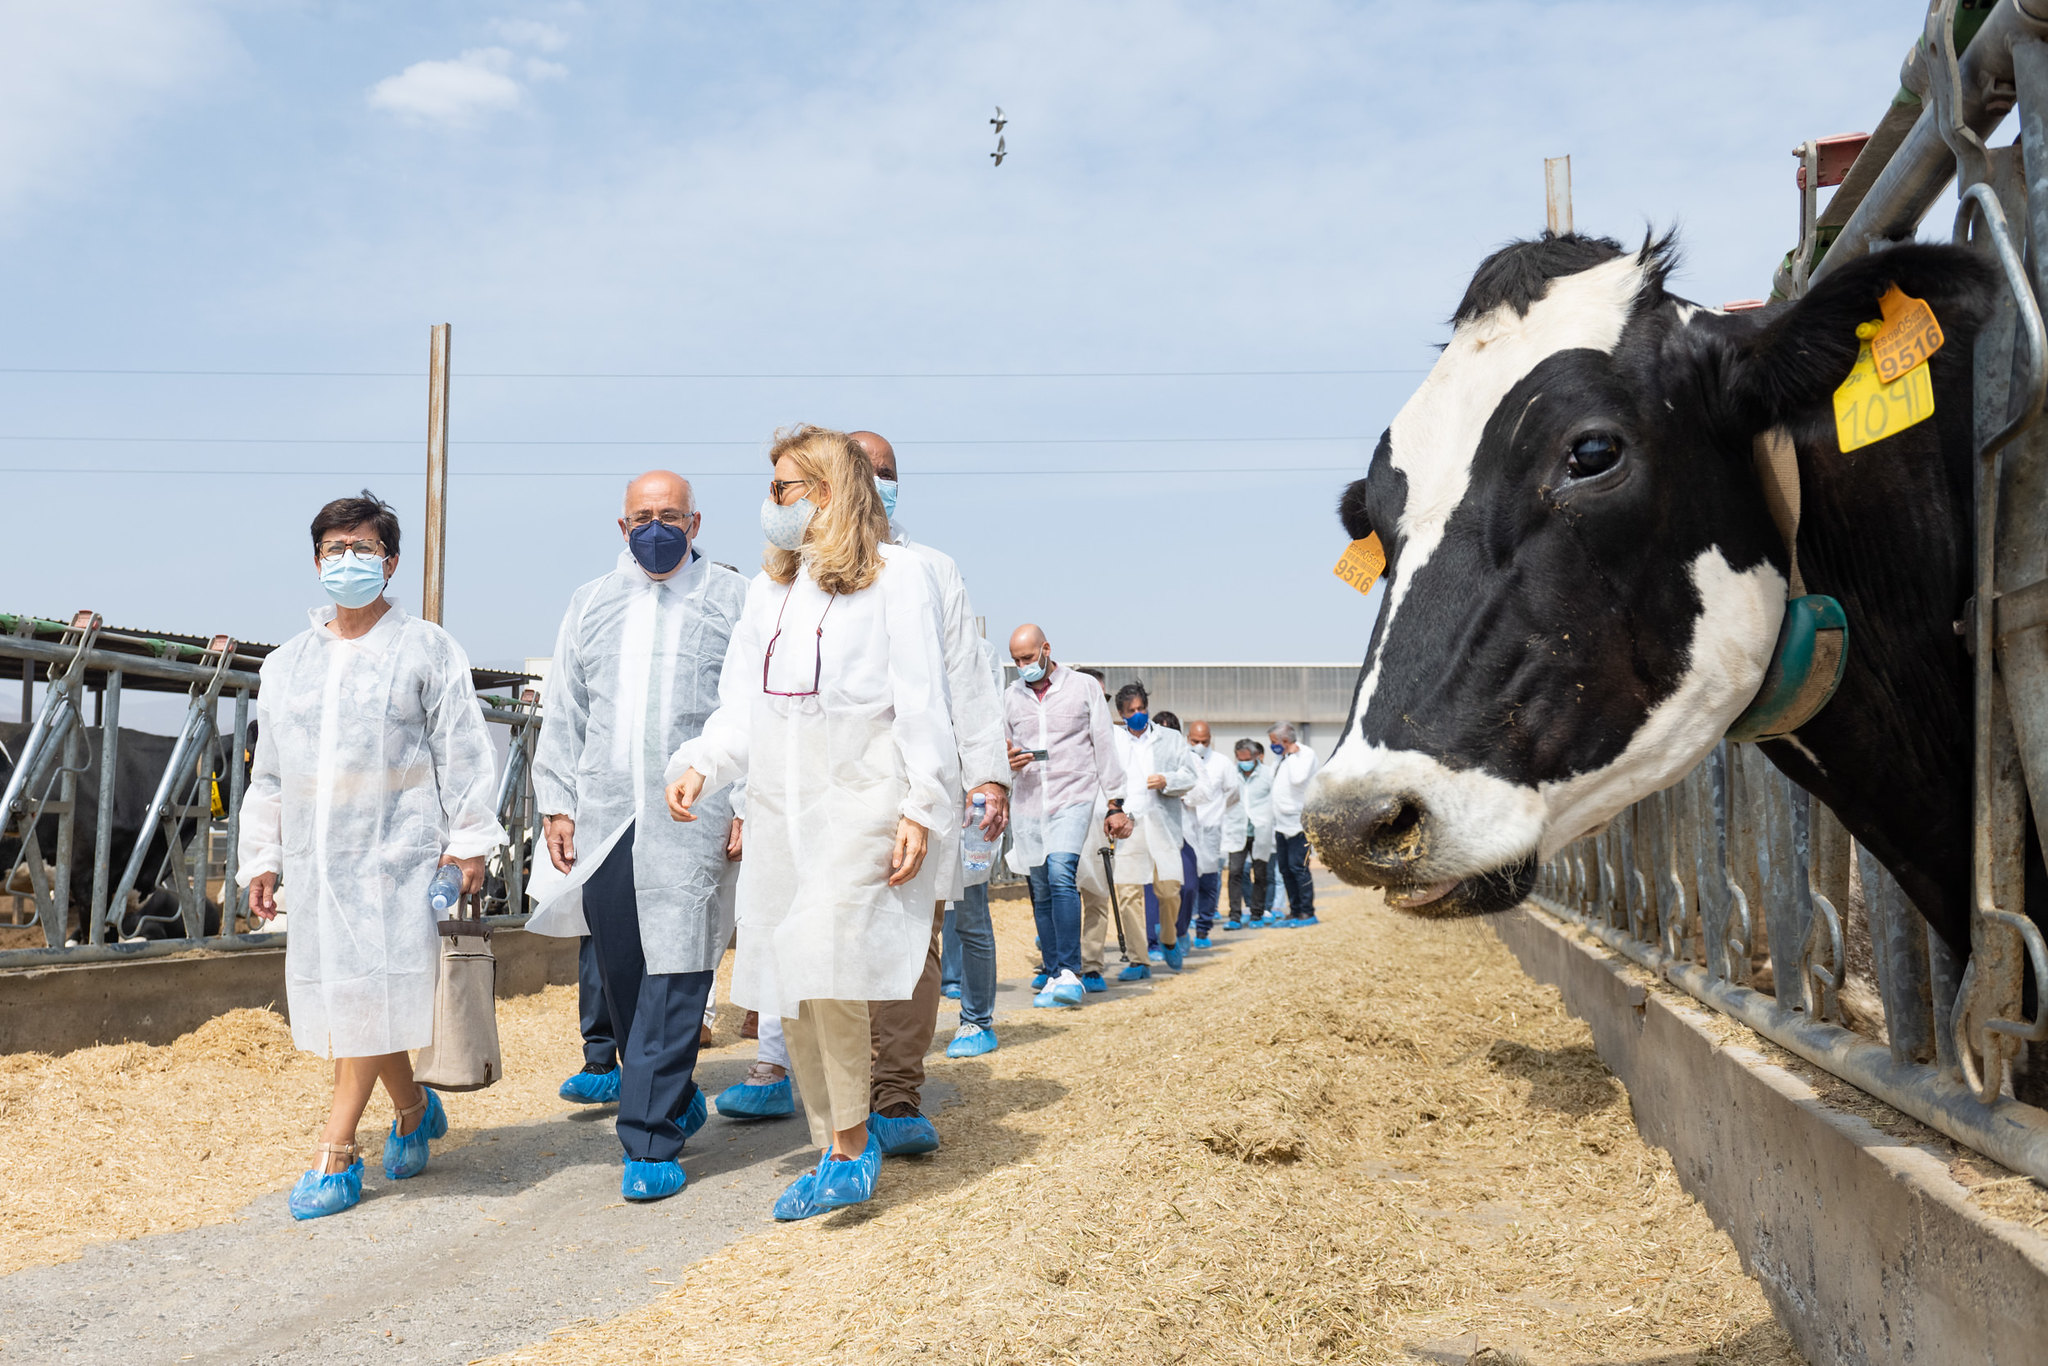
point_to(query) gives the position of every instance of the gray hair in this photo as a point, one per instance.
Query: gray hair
(1285, 730)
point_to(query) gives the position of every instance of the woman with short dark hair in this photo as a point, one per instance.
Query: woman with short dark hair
(373, 768)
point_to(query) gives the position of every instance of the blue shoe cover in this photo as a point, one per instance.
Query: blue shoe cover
(405, 1155)
(1175, 956)
(652, 1180)
(1068, 993)
(592, 1088)
(1233, 924)
(900, 1137)
(320, 1193)
(851, 1183)
(695, 1113)
(800, 1201)
(1039, 979)
(972, 1045)
(1307, 921)
(1155, 956)
(772, 1101)
(1201, 942)
(951, 993)
(1136, 972)
(1092, 981)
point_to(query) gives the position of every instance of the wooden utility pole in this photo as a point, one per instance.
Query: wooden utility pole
(1557, 193)
(434, 571)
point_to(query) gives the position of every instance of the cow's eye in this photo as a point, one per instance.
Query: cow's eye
(1593, 454)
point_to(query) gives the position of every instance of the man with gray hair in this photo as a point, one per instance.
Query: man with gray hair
(1297, 765)
(634, 675)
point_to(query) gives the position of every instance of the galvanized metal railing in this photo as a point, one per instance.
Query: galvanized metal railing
(196, 802)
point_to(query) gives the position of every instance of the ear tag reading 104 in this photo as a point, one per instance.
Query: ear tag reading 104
(1868, 410)
(1362, 563)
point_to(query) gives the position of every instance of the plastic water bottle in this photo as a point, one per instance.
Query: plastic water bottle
(977, 851)
(446, 889)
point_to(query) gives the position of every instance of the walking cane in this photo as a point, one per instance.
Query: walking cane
(1115, 911)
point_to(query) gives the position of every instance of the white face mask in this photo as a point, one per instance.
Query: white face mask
(785, 526)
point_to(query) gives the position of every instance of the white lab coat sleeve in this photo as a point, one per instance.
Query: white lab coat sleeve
(565, 719)
(465, 766)
(977, 711)
(720, 751)
(1181, 770)
(1108, 768)
(921, 728)
(261, 846)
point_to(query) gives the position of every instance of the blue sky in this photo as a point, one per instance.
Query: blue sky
(805, 189)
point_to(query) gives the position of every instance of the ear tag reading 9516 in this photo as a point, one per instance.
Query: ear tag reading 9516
(1868, 408)
(1362, 563)
(1907, 337)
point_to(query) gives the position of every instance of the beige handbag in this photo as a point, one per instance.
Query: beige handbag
(464, 1053)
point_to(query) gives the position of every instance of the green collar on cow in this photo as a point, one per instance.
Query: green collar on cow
(1813, 640)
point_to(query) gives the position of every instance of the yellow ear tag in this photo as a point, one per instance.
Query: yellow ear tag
(1362, 563)
(1867, 409)
(1908, 335)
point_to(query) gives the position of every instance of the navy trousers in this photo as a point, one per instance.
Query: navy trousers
(600, 1044)
(657, 1017)
(1291, 853)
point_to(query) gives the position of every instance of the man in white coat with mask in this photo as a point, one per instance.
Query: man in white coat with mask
(1208, 807)
(634, 675)
(1159, 770)
(902, 1030)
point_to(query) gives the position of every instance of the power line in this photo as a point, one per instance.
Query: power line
(709, 474)
(760, 443)
(719, 375)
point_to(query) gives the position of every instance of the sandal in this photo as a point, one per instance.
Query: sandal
(405, 1155)
(319, 1193)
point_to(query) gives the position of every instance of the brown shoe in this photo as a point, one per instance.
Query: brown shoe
(750, 1028)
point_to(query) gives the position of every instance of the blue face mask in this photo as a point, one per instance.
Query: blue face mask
(887, 488)
(658, 546)
(1137, 721)
(785, 526)
(1031, 673)
(351, 581)
(1247, 765)
(1280, 749)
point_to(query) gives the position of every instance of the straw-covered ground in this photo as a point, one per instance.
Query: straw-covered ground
(1365, 1142)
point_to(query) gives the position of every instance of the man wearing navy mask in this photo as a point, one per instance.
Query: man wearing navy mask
(634, 675)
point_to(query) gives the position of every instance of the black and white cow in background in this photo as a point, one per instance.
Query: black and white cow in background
(1585, 583)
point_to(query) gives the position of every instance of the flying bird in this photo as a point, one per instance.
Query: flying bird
(999, 121)
(1000, 152)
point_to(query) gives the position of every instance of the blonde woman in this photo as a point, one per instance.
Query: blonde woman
(832, 706)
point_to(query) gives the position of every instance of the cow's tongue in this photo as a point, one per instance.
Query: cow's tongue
(1422, 896)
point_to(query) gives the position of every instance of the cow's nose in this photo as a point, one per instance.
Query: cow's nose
(1369, 837)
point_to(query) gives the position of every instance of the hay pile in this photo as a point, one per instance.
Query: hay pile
(127, 1139)
(1343, 1144)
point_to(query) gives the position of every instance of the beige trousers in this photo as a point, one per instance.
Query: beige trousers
(828, 1052)
(1095, 914)
(1130, 905)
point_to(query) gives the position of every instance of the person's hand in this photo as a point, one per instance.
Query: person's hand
(1118, 826)
(996, 808)
(560, 833)
(734, 845)
(472, 872)
(908, 855)
(683, 794)
(263, 896)
(1157, 782)
(1019, 758)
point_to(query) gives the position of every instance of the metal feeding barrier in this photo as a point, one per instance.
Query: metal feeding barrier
(175, 890)
(1734, 885)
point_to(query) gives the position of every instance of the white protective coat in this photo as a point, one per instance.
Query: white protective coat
(1213, 802)
(635, 674)
(1152, 852)
(372, 761)
(1253, 819)
(973, 702)
(827, 778)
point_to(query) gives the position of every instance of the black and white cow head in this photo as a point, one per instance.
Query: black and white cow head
(1585, 584)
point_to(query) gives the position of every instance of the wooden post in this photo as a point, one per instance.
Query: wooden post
(434, 570)
(1557, 193)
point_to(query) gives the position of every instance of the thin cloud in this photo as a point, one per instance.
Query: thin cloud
(462, 92)
(531, 33)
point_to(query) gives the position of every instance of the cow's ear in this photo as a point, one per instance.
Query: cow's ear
(1351, 511)
(1795, 360)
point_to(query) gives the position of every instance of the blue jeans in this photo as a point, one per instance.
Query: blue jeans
(1208, 888)
(1292, 853)
(1056, 905)
(971, 943)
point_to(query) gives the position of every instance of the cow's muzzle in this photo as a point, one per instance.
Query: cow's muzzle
(1389, 840)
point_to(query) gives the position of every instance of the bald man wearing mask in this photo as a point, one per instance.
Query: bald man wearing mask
(902, 1030)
